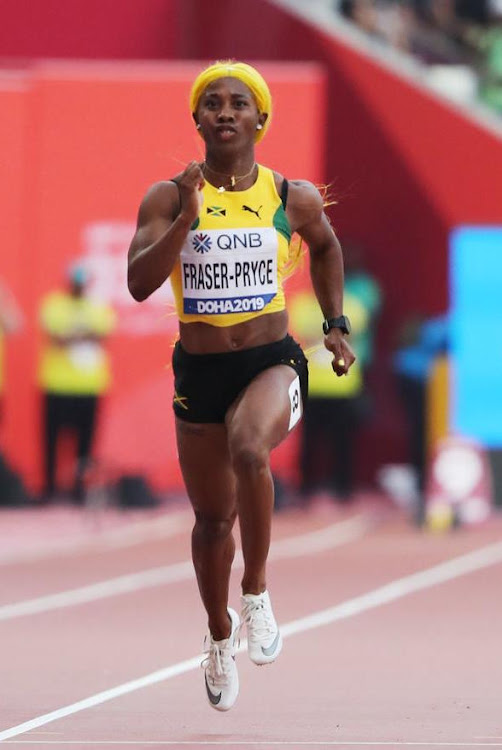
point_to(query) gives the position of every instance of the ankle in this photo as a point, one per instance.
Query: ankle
(220, 628)
(255, 587)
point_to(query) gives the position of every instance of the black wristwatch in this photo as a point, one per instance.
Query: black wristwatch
(342, 322)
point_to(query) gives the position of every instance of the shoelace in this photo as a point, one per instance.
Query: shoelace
(217, 662)
(258, 619)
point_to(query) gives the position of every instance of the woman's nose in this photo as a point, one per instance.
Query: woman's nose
(226, 112)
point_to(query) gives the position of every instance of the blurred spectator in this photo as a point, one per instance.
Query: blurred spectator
(74, 372)
(336, 406)
(10, 322)
(420, 341)
(459, 40)
(362, 13)
(437, 36)
(359, 283)
(387, 22)
(487, 39)
(477, 11)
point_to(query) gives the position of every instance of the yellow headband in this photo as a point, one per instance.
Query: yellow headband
(245, 73)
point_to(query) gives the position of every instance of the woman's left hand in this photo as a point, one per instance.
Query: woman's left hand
(343, 356)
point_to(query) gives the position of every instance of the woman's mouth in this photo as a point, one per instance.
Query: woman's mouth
(226, 132)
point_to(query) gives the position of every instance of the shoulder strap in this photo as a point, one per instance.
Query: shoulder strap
(284, 193)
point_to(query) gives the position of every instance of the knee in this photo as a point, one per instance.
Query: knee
(213, 529)
(248, 456)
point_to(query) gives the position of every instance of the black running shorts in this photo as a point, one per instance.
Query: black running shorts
(205, 385)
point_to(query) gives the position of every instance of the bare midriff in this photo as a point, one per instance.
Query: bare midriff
(202, 338)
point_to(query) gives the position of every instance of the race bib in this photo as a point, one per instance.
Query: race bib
(295, 398)
(230, 271)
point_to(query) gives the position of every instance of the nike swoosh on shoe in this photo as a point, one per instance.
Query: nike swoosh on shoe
(215, 699)
(269, 650)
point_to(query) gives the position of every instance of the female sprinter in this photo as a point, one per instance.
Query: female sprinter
(220, 231)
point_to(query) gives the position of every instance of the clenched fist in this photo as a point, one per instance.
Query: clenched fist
(190, 184)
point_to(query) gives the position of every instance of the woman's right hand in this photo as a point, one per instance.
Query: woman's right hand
(190, 183)
(164, 220)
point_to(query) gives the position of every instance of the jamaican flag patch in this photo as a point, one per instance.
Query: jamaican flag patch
(216, 211)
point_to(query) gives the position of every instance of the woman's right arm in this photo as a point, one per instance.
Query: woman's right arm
(165, 216)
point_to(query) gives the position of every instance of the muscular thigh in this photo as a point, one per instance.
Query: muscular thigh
(267, 409)
(205, 465)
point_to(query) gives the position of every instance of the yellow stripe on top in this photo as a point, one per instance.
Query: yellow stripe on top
(232, 264)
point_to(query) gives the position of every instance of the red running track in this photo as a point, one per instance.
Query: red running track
(392, 635)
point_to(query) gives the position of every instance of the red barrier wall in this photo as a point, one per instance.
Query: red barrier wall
(84, 141)
(89, 28)
(15, 263)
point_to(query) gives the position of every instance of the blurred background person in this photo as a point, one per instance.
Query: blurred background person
(459, 41)
(74, 373)
(364, 14)
(335, 414)
(332, 414)
(421, 341)
(485, 35)
(363, 286)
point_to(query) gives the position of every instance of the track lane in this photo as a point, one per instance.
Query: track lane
(298, 545)
(365, 669)
(91, 646)
(382, 549)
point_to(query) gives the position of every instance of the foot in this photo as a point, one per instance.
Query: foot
(220, 671)
(264, 637)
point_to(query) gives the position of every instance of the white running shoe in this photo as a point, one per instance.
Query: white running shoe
(220, 671)
(264, 637)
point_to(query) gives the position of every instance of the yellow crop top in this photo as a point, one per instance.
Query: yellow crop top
(232, 263)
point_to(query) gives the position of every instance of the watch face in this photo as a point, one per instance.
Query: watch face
(341, 322)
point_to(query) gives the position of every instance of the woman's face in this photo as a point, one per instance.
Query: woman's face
(227, 113)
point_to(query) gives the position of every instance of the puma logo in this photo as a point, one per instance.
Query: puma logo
(252, 211)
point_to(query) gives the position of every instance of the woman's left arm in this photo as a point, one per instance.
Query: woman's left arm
(306, 214)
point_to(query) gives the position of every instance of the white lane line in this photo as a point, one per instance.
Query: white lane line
(160, 527)
(447, 571)
(95, 700)
(101, 590)
(305, 544)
